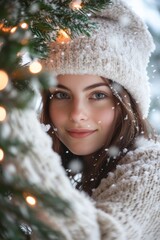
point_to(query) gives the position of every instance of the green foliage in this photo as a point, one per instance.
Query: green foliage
(44, 18)
(14, 212)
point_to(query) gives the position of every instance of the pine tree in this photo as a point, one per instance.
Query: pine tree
(28, 26)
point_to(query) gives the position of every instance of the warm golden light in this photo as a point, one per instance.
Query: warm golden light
(76, 4)
(3, 28)
(35, 67)
(2, 114)
(31, 200)
(1, 154)
(13, 29)
(3, 79)
(1, 25)
(6, 29)
(63, 37)
(24, 25)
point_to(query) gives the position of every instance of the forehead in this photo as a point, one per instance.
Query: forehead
(80, 80)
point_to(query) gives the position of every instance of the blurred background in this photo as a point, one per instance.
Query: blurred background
(149, 11)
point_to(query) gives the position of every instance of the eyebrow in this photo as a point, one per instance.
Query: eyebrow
(86, 88)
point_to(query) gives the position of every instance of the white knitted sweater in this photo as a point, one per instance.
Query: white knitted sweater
(125, 206)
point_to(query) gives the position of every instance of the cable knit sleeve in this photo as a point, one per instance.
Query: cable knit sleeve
(131, 195)
(115, 213)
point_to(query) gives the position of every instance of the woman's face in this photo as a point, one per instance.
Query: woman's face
(82, 111)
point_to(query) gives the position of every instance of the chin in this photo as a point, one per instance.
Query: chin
(80, 152)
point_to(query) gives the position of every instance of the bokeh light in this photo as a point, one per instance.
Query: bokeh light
(2, 114)
(35, 67)
(3, 79)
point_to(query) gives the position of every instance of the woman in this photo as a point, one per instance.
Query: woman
(95, 122)
(97, 113)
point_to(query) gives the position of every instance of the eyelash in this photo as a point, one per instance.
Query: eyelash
(100, 93)
(55, 96)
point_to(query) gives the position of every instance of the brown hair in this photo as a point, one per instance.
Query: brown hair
(127, 126)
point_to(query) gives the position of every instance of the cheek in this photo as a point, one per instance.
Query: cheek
(56, 115)
(105, 116)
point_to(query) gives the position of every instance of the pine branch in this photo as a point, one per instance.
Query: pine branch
(43, 19)
(46, 18)
(17, 211)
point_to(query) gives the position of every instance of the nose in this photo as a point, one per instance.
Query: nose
(78, 111)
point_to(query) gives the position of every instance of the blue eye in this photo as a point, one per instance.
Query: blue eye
(99, 96)
(60, 95)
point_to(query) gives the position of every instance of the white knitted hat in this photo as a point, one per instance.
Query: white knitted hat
(119, 49)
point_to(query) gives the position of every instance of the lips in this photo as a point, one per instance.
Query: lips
(80, 133)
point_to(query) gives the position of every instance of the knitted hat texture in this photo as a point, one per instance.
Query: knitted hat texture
(119, 49)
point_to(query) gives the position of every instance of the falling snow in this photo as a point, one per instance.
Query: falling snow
(113, 151)
(75, 165)
(46, 127)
